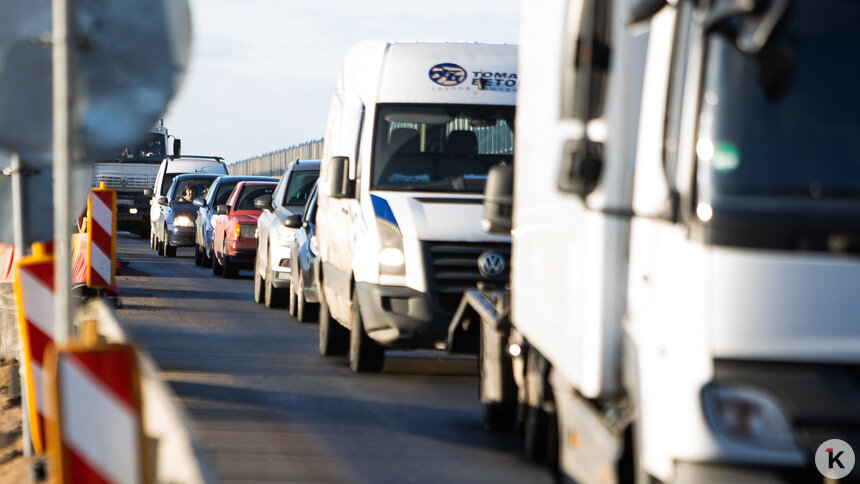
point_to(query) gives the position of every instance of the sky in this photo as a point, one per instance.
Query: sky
(262, 72)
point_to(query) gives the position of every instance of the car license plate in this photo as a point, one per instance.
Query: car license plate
(124, 202)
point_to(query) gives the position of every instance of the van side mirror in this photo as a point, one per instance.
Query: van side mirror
(581, 167)
(221, 209)
(263, 203)
(199, 202)
(147, 192)
(499, 200)
(177, 147)
(163, 201)
(293, 221)
(339, 183)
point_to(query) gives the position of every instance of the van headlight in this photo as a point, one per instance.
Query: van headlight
(748, 415)
(390, 257)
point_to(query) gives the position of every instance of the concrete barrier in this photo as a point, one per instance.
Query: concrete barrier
(10, 340)
(178, 456)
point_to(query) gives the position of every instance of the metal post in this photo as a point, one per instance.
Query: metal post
(63, 128)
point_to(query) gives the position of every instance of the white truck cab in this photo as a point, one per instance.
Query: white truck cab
(412, 131)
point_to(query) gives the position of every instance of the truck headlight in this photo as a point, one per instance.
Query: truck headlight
(390, 257)
(183, 221)
(748, 415)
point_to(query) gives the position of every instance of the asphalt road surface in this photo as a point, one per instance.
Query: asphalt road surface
(267, 407)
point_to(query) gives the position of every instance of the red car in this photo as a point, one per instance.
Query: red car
(234, 244)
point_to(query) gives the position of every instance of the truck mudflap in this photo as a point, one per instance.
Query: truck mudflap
(478, 306)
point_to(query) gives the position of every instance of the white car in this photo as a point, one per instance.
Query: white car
(272, 265)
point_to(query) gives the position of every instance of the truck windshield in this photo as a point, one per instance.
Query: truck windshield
(804, 142)
(151, 150)
(440, 148)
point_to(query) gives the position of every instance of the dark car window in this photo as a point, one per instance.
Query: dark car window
(223, 193)
(251, 193)
(300, 186)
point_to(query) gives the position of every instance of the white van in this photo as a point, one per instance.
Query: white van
(413, 129)
(169, 169)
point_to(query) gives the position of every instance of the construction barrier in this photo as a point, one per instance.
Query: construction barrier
(95, 428)
(101, 238)
(7, 258)
(34, 294)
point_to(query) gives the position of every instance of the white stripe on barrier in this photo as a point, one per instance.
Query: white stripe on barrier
(102, 214)
(38, 302)
(100, 262)
(40, 387)
(88, 406)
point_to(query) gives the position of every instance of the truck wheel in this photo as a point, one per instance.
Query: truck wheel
(304, 310)
(334, 339)
(498, 415)
(364, 354)
(259, 295)
(169, 250)
(535, 418)
(274, 296)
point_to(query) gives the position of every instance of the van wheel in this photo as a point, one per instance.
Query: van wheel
(259, 295)
(334, 339)
(365, 356)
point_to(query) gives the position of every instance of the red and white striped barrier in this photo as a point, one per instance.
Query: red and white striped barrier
(101, 230)
(34, 294)
(97, 434)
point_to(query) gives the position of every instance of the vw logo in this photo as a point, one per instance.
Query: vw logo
(447, 74)
(491, 264)
(124, 182)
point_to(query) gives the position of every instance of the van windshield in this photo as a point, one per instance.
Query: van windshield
(440, 148)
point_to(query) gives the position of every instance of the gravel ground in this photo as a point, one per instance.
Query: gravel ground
(13, 469)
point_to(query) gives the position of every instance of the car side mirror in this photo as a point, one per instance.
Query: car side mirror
(163, 201)
(263, 203)
(293, 221)
(305, 225)
(199, 202)
(499, 200)
(221, 209)
(147, 192)
(339, 183)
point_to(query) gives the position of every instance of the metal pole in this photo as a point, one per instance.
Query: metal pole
(62, 129)
(18, 240)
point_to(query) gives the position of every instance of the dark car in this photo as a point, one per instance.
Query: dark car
(304, 262)
(234, 241)
(175, 226)
(206, 213)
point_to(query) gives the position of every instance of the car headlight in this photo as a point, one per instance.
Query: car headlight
(390, 257)
(748, 415)
(285, 236)
(183, 221)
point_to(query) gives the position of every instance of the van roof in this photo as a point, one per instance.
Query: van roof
(430, 72)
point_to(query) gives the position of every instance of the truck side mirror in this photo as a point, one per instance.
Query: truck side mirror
(163, 201)
(147, 192)
(263, 203)
(339, 183)
(177, 147)
(581, 167)
(499, 200)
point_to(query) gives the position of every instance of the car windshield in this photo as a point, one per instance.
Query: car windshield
(300, 186)
(442, 148)
(250, 193)
(185, 190)
(151, 150)
(802, 142)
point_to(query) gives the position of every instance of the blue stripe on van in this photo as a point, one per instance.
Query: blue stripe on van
(383, 210)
